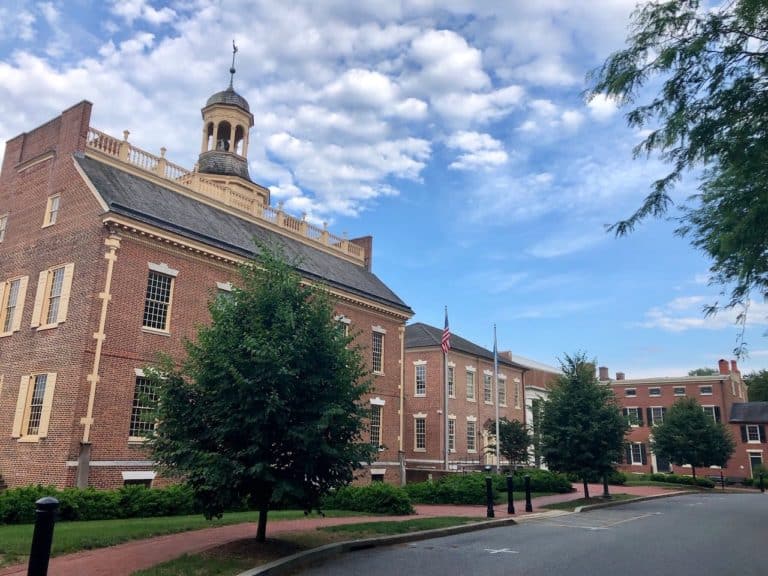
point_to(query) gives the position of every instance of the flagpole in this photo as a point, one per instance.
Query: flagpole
(496, 382)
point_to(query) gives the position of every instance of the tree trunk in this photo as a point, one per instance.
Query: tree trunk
(693, 468)
(586, 488)
(261, 531)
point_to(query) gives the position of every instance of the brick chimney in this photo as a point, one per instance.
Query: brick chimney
(734, 367)
(603, 371)
(366, 243)
(722, 365)
(506, 354)
(620, 375)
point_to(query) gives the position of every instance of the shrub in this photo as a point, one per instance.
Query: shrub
(17, 505)
(376, 498)
(686, 480)
(543, 481)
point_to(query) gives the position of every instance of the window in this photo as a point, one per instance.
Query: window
(451, 383)
(51, 210)
(502, 384)
(634, 416)
(654, 392)
(656, 415)
(636, 454)
(630, 392)
(12, 296)
(471, 436)
(517, 392)
(470, 384)
(705, 390)
(679, 390)
(487, 388)
(144, 402)
(452, 434)
(713, 411)
(421, 380)
(755, 460)
(376, 426)
(377, 350)
(754, 434)
(420, 433)
(52, 298)
(33, 406)
(3, 224)
(158, 301)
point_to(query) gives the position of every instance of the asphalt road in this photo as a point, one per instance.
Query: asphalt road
(696, 534)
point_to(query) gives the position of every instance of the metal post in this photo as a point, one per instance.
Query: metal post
(762, 482)
(489, 496)
(528, 504)
(42, 537)
(510, 494)
(722, 480)
(606, 494)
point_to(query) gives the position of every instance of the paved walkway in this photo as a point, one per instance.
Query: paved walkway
(125, 559)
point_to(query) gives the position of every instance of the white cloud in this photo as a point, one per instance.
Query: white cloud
(562, 245)
(478, 108)
(602, 107)
(481, 151)
(447, 63)
(682, 314)
(131, 10)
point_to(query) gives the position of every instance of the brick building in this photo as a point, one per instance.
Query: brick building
(471, 399)
(109, 254)
(723, 396)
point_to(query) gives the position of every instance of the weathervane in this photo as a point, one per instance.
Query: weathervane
(232, 68)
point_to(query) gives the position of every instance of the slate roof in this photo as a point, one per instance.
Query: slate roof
(420, 335)
(147, 202)
(229, 96)
(225, 163)
(753, 412)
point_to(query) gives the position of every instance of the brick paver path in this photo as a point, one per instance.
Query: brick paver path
(125, 559)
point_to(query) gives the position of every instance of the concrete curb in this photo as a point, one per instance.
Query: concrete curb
(630, 501)
(291, 563)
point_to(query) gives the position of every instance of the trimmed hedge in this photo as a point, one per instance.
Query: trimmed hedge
(376, 498)
(615, 477)
(470, 488)
(679, 479)
(17, 505)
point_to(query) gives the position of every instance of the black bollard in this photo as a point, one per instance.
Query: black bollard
(722, 480)
(606, 494)
(489, 496)
(42, 537)
(527, 483)
(762, 482)
(510, 494)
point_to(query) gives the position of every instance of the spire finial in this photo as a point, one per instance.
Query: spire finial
(232, 68)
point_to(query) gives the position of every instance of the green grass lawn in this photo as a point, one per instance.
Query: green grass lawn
(73, 536)
(573, 504)
(238, 556)
(631, 482)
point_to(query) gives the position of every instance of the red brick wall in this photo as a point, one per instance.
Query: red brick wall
(432, 406)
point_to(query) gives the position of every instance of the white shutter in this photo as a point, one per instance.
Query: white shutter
(21, 404)
(37, 311)
(16, 322)
(2, 301)
(66, 288)
(45, 416)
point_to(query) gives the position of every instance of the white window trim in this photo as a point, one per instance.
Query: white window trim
(343, 319)
(420, 416)
(378, 329)
(3, 226)
(23, 400)
(47, 217)
(651, 394)
(138, 475)
(163, 268)
(653, 418)
(378, 401)
(225, 286)
(452, 418)
(711, 390)
(472, 419)
(502, 379)
(416, 365)
(674, 391)
(637, 424)
(759, 437)
(20, 301)
(632, 453)
(40, 310)
(628, 395)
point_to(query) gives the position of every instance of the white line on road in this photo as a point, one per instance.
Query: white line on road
(501, 551)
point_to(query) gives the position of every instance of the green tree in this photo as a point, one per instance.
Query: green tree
(710, 112)
(514, 439)
(582, 428)
(689, 436)
(266, 406)
(702, 372)
(757, 386)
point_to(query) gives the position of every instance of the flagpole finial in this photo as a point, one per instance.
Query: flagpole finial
(232, 68)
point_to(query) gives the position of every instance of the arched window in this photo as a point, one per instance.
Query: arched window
(209, 136)
(239, 135)
(224, 137)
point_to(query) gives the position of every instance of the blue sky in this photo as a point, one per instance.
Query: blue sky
(454, 131)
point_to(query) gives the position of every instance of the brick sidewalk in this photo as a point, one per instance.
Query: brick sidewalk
(125, 559)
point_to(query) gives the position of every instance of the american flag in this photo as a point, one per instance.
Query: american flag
(445, 342)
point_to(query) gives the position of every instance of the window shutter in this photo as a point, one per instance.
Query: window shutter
(650, 416)
(743, 433)
(640, 416)
(2, 300)
(625, 412)
(717, 414)
(663, 412)
(761, 429)
(16, 322)
(37, 311)
(21, 404)
(66, 288)
(45, 416)
(643, 455)
(628, 453)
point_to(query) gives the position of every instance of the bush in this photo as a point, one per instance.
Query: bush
(17, 505)
(376, 498)
(543, 481)
(615, 477)
(686, 480)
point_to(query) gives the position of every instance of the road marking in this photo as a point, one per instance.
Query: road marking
(603, 523)
(501, 551)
